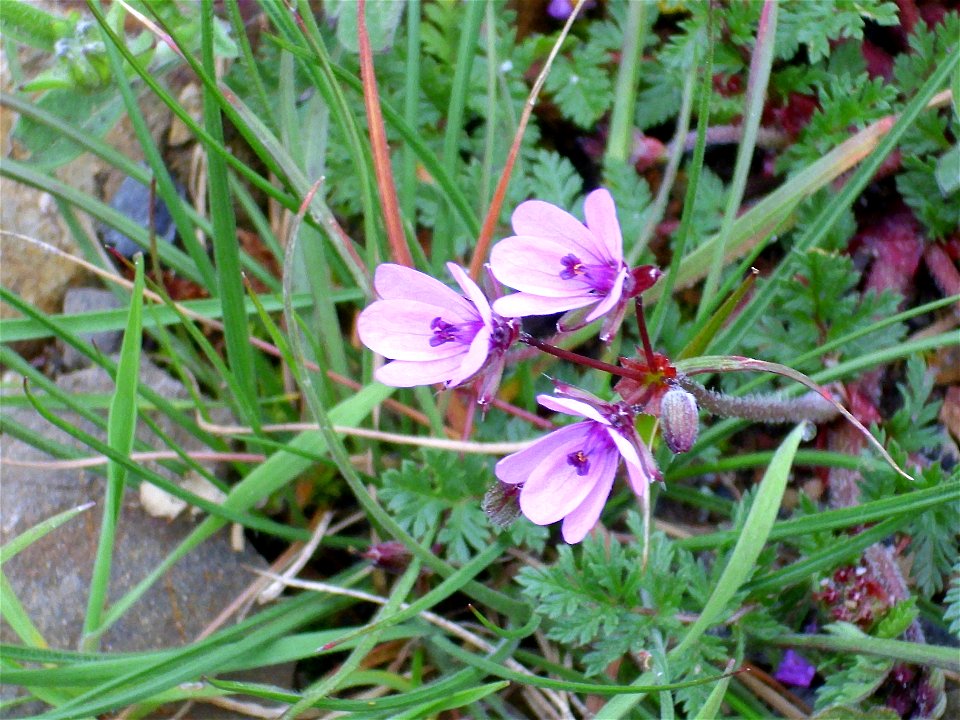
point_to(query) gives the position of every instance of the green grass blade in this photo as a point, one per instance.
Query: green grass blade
(760, 64)
(491, 667)
(754, 536)
(704, 92)
(930, 655)
(625, 94)
(265, 479)
(848, 549)
(442, 247)
(28, 537)
(225, 244)
(15, 614)
(121, 429)
(96, 321)
(756, 531)
(410, 135)
(329, 684)
(906, 505)
(711, 706)
(455, 700)
(146, 679)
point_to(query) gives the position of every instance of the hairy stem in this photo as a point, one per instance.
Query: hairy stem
(763, 408)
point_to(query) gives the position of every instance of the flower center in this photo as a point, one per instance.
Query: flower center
(598, 278)
(443, 332)
(580, 461)
(571, 267)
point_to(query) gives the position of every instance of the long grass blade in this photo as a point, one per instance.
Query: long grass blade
(121, 429)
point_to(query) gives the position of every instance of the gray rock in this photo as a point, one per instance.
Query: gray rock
(51, 577)
(133, 200)
(88, 299)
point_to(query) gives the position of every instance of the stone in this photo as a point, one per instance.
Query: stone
(51, 577)
(89, 299)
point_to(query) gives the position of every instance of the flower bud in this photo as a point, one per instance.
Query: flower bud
(679, 419)
(391, 556)
(502, 504)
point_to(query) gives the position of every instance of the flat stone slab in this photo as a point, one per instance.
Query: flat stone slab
(51, 577)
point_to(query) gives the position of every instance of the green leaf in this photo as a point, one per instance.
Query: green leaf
(952, 601)
(814, 25)
(752, 539)
(92, 113)
(852, 684)
(580, 83)
(382, 21)
(30, 25)
(897, 619)
(948, 171)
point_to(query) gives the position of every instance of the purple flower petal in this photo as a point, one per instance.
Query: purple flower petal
(524, 304)
(400, 329)
(601, 215)
(473, 292)
(638, 479)
(536, 218)
(578, 523)
(556, 487)
(396, 282)
(472, 360)
(569, 406)
(410, 373)
(560, 9)
(624, 447)
(518, 467)
(534, 264)
(795, 670)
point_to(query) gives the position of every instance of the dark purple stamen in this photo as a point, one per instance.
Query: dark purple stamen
(571, 267)
(580, 461)
(443, 332)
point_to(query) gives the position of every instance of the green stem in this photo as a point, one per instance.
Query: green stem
(756, 93)
(442, 240)
(621, 122)
(704, 88)
(931, 655)
(411, 100)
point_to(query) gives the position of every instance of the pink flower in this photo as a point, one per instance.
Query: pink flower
(433, 334)
(568, 474)
(559, 264)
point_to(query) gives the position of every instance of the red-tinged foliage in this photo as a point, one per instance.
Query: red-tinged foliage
(793, 115)
(895, 242)
(728, 85)
(879, 61)
(942, 264)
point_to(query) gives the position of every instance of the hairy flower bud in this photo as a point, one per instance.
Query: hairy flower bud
(391, 556)
(679, 419)
(502, 504)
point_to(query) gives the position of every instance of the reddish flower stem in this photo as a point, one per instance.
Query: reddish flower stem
(379, 148)
(580, 359)
(644, 335)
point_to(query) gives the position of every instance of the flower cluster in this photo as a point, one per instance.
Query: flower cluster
(434, 335)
